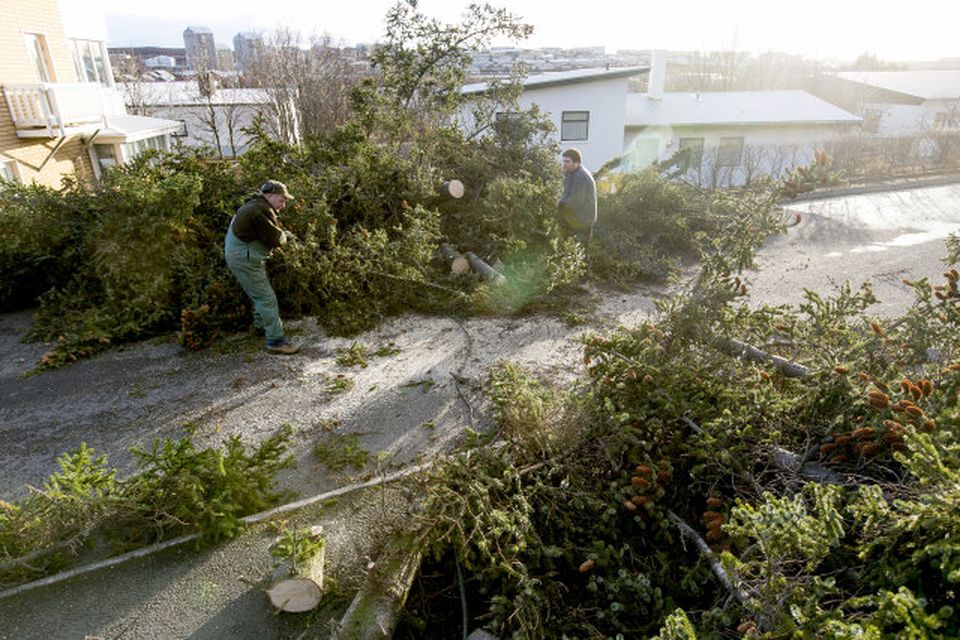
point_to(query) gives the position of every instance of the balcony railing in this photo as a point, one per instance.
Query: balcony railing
(56, 107)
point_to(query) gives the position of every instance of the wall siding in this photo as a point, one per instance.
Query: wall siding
(39, 16)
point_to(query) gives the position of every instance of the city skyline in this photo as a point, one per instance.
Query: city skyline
(838, 31)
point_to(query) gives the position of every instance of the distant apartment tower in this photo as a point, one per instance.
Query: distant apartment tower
(246, 50)
(200, 48)
(225, 59)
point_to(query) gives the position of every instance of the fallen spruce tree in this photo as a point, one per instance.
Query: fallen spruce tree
(721, 471)
(85, 512)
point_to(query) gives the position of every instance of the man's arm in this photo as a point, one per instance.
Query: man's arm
(269, 232)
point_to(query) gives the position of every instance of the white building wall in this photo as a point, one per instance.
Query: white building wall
(767, 150)
(605, 100)
(895, 119)
(199, 129)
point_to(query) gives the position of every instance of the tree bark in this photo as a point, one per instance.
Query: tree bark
(298, 587)
(688, 532)
(787, 368)
(488, 272)
(375, 611)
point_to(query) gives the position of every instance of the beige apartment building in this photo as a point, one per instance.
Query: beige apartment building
(61, 114)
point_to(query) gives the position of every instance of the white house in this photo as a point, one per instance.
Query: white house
(897, 103)
(587, 106)
(731, 137)
(217, 120)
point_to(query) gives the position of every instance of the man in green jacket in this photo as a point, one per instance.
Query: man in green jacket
(254, 231)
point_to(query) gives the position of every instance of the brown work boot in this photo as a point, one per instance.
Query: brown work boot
(283, 347)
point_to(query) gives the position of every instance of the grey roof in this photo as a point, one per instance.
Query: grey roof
(559, 78)
(929, 85)
(733, 107)
(182, 94)
(130, 128)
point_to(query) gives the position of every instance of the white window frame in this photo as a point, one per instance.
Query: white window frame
(30, 40)
(725, 151)
(568, 119)
(10, 171)
(98, 53)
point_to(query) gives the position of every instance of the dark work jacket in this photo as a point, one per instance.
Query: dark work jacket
(257, 220)
(578, 206)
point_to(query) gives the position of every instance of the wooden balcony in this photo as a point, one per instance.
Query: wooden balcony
(58, 109)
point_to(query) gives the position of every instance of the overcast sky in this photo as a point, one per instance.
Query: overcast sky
(832, 29)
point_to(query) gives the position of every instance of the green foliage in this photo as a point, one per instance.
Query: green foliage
(339, 451)
(141, 253)
(299, 546)
(177, 489)
(208, 489)
(677, 626)
(353, 356)
(568, 529)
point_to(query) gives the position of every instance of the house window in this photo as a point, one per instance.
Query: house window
(8, 171)
(90, 61)
(574, 125)
(730, 152)
(39, 56)
(133, 149)
(693, 148)
(106, 155)
(182, 131)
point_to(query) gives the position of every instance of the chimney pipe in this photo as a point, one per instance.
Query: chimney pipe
(658, 74)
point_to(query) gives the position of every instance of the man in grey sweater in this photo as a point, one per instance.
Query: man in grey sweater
(578, 204)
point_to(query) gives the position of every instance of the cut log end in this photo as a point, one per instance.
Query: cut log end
(454, 189)
(295, 595)
(459, 265)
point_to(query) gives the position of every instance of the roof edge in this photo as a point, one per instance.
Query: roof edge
(603, 74)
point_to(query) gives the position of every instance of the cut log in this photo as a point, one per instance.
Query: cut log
(458, 264)
(481, 267)
(811, 471)
(297, 583)
(454, 189)
(749, 352)
(375, 611)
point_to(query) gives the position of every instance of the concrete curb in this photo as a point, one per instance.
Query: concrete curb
(917, 183)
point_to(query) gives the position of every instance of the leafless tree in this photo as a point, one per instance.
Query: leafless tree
(131, 73)
(755, 162)
(309, 88)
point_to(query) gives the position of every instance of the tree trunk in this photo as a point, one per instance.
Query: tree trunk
(458, 264)
(375, 611)
(748, 352)
(294, 587)
(488, 272)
